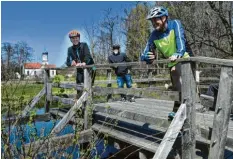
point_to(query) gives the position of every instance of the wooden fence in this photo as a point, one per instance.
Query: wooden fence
(184, 119)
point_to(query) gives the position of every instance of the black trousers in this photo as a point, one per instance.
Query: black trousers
(79, 77)
(79, 80)
(213, 91)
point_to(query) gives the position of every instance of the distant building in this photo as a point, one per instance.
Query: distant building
(35, 70)
(45, 60)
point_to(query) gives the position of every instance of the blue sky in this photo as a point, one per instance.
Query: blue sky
(46, 24)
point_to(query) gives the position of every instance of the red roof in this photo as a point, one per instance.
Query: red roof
(37, 65)
(32, 65)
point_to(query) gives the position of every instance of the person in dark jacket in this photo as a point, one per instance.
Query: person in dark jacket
(78, 55)
(122, 72)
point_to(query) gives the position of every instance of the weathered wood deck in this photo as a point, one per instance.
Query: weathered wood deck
(144, 123)
(147, 117)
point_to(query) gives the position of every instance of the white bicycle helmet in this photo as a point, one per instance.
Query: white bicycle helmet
(157, 12)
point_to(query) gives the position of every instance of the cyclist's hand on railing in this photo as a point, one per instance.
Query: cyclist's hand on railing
(174, 57)
(73, 63)
(150, 56)
(173, 68)
(81, 64)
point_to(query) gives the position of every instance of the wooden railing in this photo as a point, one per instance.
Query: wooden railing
(185, 118)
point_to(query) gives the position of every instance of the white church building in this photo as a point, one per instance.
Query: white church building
(35, 69)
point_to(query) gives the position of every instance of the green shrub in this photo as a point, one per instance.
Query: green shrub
(58, 78)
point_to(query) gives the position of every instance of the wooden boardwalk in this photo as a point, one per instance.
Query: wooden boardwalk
(143, 123)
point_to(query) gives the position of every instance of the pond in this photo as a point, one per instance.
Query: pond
(43, 129)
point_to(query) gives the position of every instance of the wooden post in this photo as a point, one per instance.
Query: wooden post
(149, 76)
(222, 114)
(67, 117)
(88, 103)
(109, 76)
(48, 90)
(188, 93)
(164, 66)
(171, 134)
(33, 102)
(157, 65)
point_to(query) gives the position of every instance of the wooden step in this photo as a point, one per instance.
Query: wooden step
(207, 101)
(128, 138)
(135, 126)
(57, 112)
(62, 112)
(145, 117)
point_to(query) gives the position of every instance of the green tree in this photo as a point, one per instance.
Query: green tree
(137, 31)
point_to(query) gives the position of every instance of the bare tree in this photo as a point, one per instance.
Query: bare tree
(23, 53)
(108, 26)
(92, 33)
(7, 52)
(13, 56)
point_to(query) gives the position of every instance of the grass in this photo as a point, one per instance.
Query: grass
(28, 91)
(15, 96)
(20, 94)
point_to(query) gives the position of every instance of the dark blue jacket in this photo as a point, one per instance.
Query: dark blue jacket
(119, 58)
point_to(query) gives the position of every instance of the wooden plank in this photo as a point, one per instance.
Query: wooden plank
(58, 142)
(203, 86)
(149, 77)
(158, 118)
(205, 133)
(116, 119)
(21, 82)
(222, 114)
(154, 68)
(139, 92)
(33, 102)
(210, 60)
(135, 80)
(204, 96)
(80, 87)
(202, 59)
(147, 111)
(26, 119)
(47, 87)
(202, 79)
(88, 104)
(171, 134)
(48, 96)
(189, 93)
(209, 79)
(149, 108)
(128, 138)
(57, 112)
(209, 68)
(64, 100)
(207, 101)
(69, 114)
(109, 76)
(69, 85)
